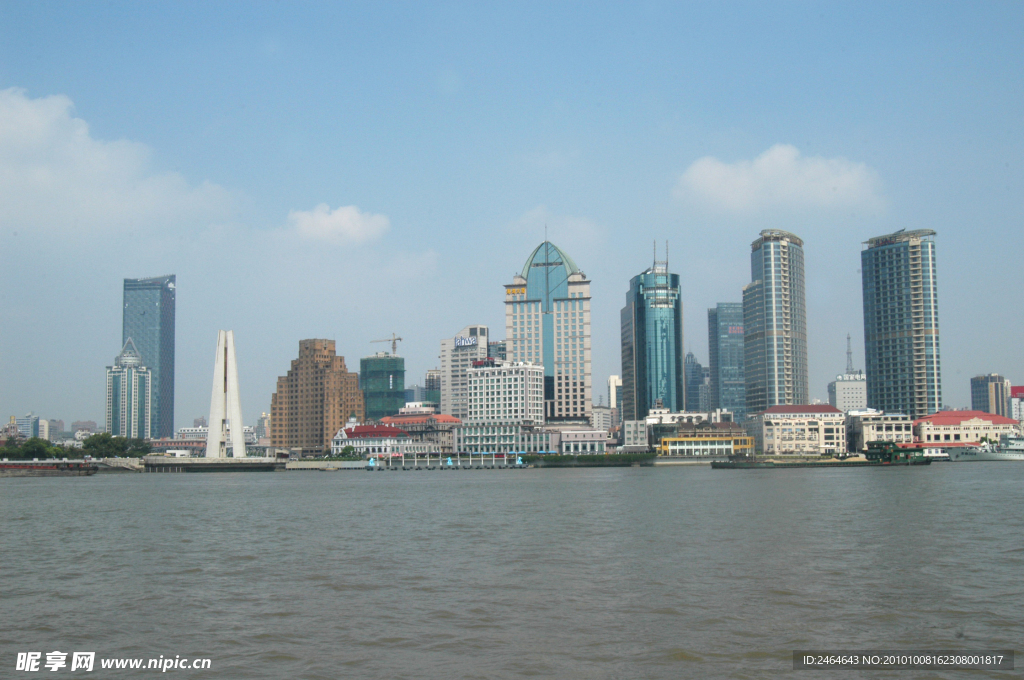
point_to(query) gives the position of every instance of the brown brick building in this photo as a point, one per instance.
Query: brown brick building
(314, 400)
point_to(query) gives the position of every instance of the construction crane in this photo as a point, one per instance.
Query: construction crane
(394, 340)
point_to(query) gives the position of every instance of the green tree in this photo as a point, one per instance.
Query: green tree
(35, 448)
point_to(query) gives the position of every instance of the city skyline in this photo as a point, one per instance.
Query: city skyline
(214, 159)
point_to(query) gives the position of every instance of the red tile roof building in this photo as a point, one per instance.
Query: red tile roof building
(963, 426)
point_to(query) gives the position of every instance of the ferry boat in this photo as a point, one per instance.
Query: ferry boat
(1009, 448)
(47, 468)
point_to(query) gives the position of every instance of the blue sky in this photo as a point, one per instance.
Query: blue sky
(345, 171)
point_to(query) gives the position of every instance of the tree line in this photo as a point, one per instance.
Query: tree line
(100, 445)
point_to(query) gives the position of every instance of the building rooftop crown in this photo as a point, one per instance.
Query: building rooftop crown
(548, 252)
(776, 235)
(900, 236)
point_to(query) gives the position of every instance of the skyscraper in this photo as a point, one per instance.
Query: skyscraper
(901, 323)
(547, 322)
(457, 356)
(775, 323)
(129, 395)
(725, 356)
(382, 379)
(991, 394)
(694, 378)
(652, 343)
(149, 321)
(314, 400)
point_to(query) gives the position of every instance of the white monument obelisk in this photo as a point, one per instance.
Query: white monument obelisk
(225, 406)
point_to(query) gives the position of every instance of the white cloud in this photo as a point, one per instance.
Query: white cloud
(55, 176)
(346, 224)
(780, 178)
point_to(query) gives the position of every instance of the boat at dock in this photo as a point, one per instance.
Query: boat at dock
(47, 468)
(879, 454)
(1009, 448)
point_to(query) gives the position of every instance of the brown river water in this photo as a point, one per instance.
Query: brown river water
(675, 572)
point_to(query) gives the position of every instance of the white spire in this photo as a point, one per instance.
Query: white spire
(225, 405)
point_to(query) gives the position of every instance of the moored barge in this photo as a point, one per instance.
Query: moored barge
(47, 468)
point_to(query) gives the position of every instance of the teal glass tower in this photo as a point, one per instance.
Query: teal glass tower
(149, 321)
(901, 323)
(652, 344)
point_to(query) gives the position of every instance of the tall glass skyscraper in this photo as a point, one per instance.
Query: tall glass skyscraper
(149, 322)
(547, 321)
(901, 323)
(652, 344)
(775, 323)
(725, 354)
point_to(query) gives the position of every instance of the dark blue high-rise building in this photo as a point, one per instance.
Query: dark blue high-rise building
(725, 354)
(652, 344)
(694, 372)
(149, 322)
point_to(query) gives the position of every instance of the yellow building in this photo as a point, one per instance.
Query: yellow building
(707, 444)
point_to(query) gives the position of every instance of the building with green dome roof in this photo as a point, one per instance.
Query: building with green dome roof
(547, 322)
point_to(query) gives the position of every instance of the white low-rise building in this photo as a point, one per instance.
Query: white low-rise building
(505, 393)
(583, 442)
(870, 425)
(377, 441)
(801, 429)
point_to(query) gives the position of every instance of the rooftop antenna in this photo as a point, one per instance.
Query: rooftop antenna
(849, 355)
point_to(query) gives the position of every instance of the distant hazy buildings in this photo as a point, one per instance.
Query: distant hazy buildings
(725, 354)
(314, 400)
(382, 379)
(901, 323)
(432, 386)
(28, 426)
(694, 371)
(457, 356)
(652, 343)
(129, 403)
(547, 322)
(991, 393)
(775, 323)
(149, 321)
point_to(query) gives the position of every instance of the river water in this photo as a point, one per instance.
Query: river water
(667, 572)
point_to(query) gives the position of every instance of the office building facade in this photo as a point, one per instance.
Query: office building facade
(547, 322)
(129, 403)
(725, 356)
(457, 356)
(849, 392)
(382, 380)
(991, 394)
(775, 323)
(314, 400)
(901, 323)
(652, 343)
(148, 319)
